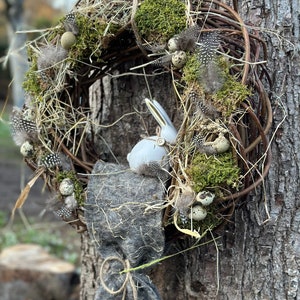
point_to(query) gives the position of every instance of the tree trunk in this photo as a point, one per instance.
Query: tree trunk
(89, 270)
(120, 99)
(257, 254)
(17, 53)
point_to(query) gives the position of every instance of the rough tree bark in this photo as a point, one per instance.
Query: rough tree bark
(113, 100)
(16, 53)
(258, 253)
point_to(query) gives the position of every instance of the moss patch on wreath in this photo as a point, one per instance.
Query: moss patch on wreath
(158, 20)
(214, 172)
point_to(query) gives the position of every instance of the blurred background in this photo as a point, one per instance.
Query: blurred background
(32, 224)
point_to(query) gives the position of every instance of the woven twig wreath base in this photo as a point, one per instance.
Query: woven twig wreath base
(59, 107)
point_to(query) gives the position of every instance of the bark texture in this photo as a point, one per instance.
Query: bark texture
(17, 54)
(257, 256)
(89, 270)
(118, 105)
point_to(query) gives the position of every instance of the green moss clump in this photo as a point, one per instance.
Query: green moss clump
(232, 92)
(78, 188)
(158, 20)
(231, 95)
(31, 83)
(90, 40)
(191, 69)
(213, 172)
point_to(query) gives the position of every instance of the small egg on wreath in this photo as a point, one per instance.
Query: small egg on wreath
(205, 198)
(66, 187)
(179, 59)
(27, 149)
(67, 40)
(197, 213)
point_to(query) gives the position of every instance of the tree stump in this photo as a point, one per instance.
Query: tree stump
(29, 272)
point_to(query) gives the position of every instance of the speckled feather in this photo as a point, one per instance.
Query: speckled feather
(21, 128)
(202, 106)
(208, 45)
(63, 212)
(154, 169)
(210, 76)
(187, 39)
(18, 123)
(51, 160)
(70, 24)
(198, 141)
(59, 207)
(162, 61)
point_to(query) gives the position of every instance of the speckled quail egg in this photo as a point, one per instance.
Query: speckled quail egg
(205, 197)
(70, 202)
(27, 149)
(173, 43)
(29, 114)
(179, 59)
(66, 187)
(221, 144)
(197, 213)
(68, 39)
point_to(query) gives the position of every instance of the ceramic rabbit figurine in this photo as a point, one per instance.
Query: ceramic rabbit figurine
(150, 155)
